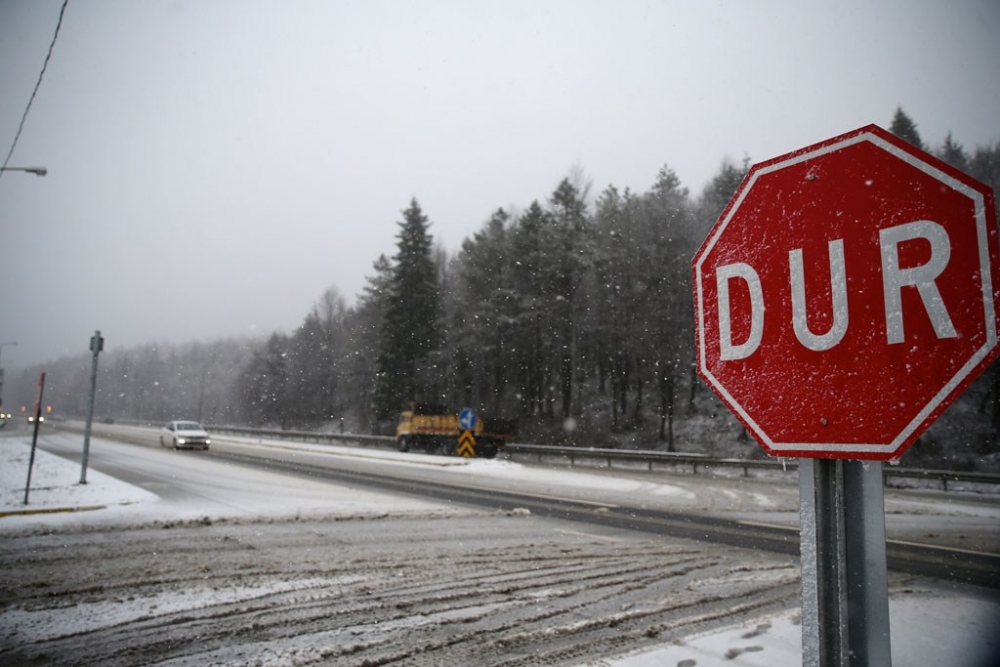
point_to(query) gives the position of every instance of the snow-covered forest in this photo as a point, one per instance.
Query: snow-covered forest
(572, 315)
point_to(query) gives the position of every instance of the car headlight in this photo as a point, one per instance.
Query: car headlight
(181, 441)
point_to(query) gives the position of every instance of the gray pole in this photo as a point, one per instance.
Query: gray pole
(34, 435)
(824, 598)
(96, 345)
(867, 573)
(845, 593)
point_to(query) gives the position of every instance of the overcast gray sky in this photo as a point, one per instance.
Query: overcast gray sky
(214, 166)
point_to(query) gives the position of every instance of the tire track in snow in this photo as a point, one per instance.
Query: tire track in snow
(485, 589)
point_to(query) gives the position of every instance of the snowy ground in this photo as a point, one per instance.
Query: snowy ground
(932, 624)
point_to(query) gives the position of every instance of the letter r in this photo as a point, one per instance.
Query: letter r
(921, 277)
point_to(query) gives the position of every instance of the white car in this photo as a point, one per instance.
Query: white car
(184, 434)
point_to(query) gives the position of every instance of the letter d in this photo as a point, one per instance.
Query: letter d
(727, 350)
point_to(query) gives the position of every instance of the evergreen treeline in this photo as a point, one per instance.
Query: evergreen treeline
(573, 316)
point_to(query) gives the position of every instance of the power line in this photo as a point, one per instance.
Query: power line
(37, 84)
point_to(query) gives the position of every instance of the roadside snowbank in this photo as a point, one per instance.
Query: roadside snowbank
(55, 484)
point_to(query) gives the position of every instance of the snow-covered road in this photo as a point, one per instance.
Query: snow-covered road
(281, 570)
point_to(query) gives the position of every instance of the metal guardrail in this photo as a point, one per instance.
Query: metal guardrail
(651, 458)
(943, 476)
(302, 436)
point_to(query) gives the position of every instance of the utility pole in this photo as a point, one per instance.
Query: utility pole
(96, 345)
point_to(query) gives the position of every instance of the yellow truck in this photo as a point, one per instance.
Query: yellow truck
(436, 430)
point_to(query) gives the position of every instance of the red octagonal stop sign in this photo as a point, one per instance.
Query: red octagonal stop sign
(848, 293)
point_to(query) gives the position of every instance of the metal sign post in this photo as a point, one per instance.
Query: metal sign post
(845, 590)
(96, 345)
(34, 435)
(466, 444)
(466, 437)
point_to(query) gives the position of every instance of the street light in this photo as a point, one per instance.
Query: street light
(37, 171)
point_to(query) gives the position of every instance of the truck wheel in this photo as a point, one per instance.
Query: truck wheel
(403, 444)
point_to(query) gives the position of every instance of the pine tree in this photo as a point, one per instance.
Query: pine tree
(316, 351)
(904, 128)
(716, 195)
(532, 324)
(410, 331)
(985, 166)
(953, 153)
(568, 263)
(673, 244)
(617, 289)
(264, 383)
(363, 329)
(483, 306)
